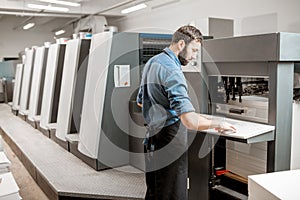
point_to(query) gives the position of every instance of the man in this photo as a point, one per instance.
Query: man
(168, 112)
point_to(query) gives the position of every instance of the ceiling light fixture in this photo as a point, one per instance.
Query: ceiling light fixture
(66, 3)
(52, 8)
(28, 26)
(134, 8)
(60, 32)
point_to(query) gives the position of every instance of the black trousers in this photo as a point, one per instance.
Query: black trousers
(169, 182)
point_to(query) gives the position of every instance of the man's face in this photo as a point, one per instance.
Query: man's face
(189, 52)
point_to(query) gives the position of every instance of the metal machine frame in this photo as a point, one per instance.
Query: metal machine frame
(51, 94)
(17, 88)
(37, 85)
(72, 90)
(26, 83)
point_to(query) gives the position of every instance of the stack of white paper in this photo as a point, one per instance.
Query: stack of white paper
(4, 163)
(241, 158)
(277, 185)
(246, 159)
(9, 189)
(295, 147)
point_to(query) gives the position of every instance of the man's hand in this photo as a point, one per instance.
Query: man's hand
(225, 127)
(139, 105)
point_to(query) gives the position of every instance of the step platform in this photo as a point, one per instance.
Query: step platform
(59, 173)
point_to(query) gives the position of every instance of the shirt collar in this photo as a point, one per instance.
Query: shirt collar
(172, 55)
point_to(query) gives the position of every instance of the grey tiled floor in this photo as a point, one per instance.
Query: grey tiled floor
(29, 190)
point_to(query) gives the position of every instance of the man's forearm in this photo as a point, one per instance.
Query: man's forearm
(195, 121)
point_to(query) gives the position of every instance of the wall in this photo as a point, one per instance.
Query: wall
(168, 18)
(14, 41)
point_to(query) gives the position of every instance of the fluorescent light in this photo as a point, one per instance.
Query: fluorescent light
(28, 26)
(134, 8)
(66, 3)
(60, 32)
(42, 7)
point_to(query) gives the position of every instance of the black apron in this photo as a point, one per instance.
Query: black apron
(170, 182)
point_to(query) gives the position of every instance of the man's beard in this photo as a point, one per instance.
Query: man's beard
(182, 57)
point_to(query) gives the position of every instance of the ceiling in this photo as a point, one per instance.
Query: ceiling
(17, 10)
(111, 7)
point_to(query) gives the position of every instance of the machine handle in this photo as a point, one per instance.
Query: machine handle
(236, 111)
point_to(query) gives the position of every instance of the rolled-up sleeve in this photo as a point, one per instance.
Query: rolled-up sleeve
(176, 88)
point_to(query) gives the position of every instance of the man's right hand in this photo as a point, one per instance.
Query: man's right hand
(225, 127)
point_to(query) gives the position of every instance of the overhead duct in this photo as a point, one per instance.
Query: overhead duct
(98, 13)
(94, 23)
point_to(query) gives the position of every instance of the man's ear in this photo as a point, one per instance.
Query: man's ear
(181, 45)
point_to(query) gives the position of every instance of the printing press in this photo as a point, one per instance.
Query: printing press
(247, 81)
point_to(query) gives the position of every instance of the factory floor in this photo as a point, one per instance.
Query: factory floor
(29, 190)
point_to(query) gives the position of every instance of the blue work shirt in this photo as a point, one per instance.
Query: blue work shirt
(163, 91)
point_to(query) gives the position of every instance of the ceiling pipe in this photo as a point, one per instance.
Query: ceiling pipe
(24, 22)
(165, 4)
(33, 14)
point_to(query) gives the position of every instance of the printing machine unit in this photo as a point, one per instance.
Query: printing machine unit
(5, 90)
(7, 74)
(37, 85)
(2, 90)
(17, 89)
(113, 76)
(72, 90)
(26, 83)
(52, 87)
(248, 81)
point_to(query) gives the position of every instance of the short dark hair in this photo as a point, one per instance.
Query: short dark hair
(187, 33)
